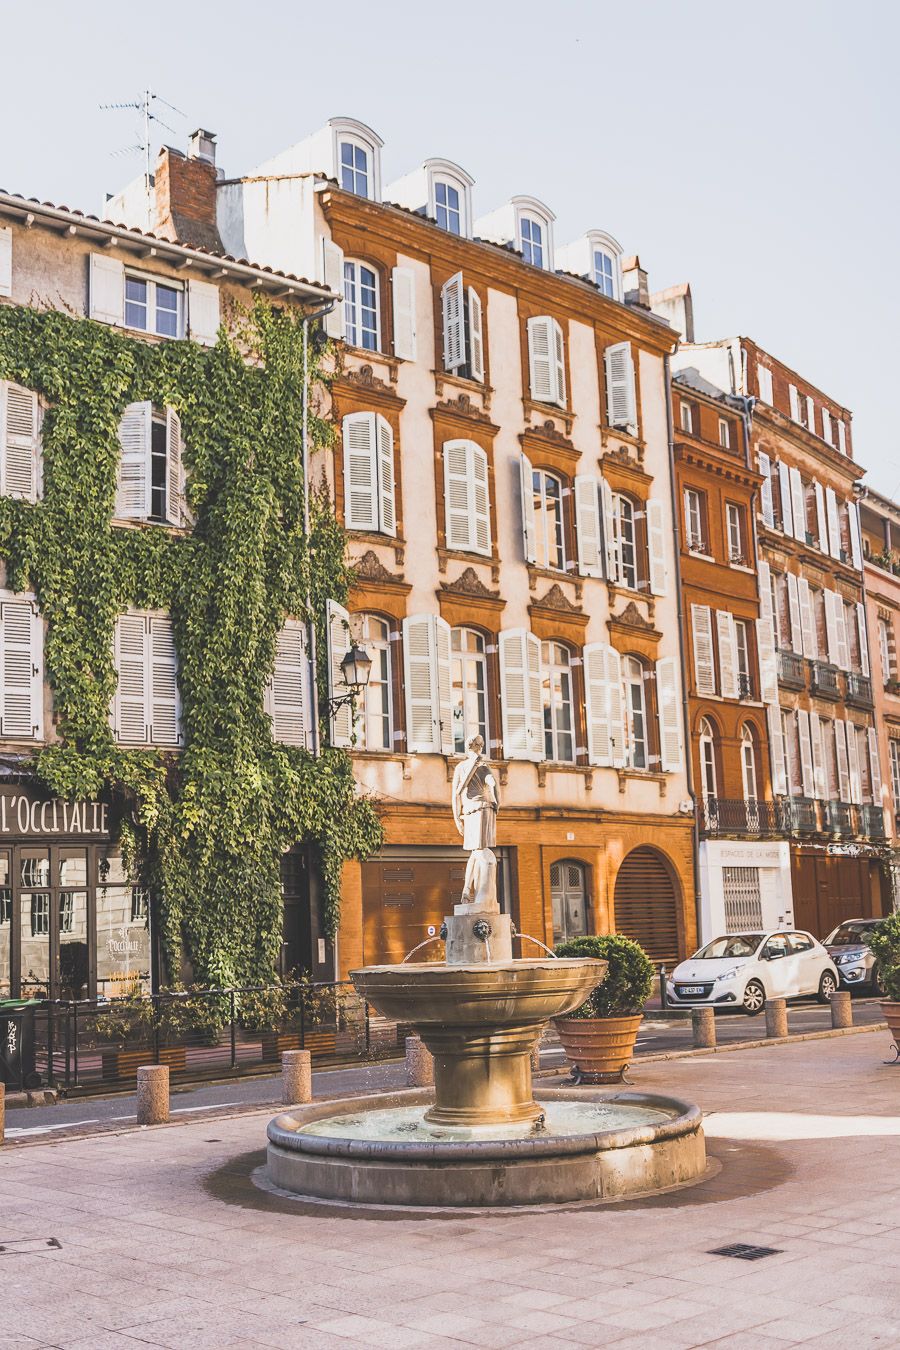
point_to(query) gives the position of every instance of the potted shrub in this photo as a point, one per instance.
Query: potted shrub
(599, 1037)
(885, 944)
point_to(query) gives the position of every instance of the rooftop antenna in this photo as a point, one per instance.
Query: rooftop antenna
(146, 105)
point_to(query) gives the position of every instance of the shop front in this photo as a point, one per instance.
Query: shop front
(744, 886)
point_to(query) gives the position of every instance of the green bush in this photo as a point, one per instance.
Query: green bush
(885, 943)
(629, 978)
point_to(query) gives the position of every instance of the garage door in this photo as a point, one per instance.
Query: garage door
(647, 906)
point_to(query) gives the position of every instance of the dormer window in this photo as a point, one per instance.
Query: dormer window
(532, 240)
(604, 273)
(597, 256)
(354, 156)
(448, 207)
(355, 168)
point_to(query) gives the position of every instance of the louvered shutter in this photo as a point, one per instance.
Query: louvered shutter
(821, 517)
(597, 703)
(616, 708)
(443, 685)
(535, 704)
(776, 750)
(843, 768)
(656, 545)
(840, 615)
(542, 360)
(5, 260)
(403, 291)
(422, 698)
(481, 499)
(704, 659)
(338, 629)
(811, 414)
(725, 631)
(798, 505)
(621, 409)
(333, 275)
(529, 528)
(610, 534)
(856, 553)
(820, 779)
(765, 491)
(287, 700)
(476, 337)
(806, 762)
(203, 312)
(458, 495)
(807, 620)
(834, 524)
(863, 639)
(875, 767)
(587, 526)
(853, 763)
(174, 468)
(559, 363)
(795, 402)
(842, 437)
(452, 311)
(106, 289)
(361, 472)
(765, 638)
(387, 502)
(784, 482)
(827, 433)
(794, 610)
(131, 716)
(19, 441)
(135, 438)
(669, 719)
(514, 694)
(831, 629)
(165, 705)
(22, 635)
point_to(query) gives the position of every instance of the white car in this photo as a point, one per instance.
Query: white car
(744, 969)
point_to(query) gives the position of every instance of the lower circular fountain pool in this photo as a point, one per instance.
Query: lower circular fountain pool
(407, 1125)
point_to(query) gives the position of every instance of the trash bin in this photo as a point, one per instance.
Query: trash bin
(17, 1060)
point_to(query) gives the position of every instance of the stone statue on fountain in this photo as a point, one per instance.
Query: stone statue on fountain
(475, 807)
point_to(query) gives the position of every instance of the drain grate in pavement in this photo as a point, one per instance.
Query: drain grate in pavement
(29, 1245)
(744, 1251)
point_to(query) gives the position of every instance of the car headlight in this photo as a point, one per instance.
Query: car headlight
(848, 958)
(727, 974)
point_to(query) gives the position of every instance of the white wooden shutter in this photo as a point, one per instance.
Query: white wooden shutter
(807, 620)
(131, 713)
(361, 472)
(165, 705)
(853, 763)
(704, 659)
(587, 526)
(621, 403)
(616, 708)
(403, 292)
(287, 692)
(443, 684)
(597, 702)
(19, 441)
(834, 524)
(843, 636)
(764, 382)
(765, 638)
(656, 545)
(135, 438)
(798, 505)
(776, 750)
(863, 639)
(21, 709)
(203, 312)
(728, 683)
(333, 276)
(174, 468)
(515, 694)
(529, 528)
(422, 700)
(481, 503)
(386, 498)
(669, 720)
(610, 534)
(5, 260)
(821, 517)
(827, 433)
(476, 336)
(765, 491)
(559, 362)
(535, 705)
(831, 627)
(794, 610)
(784, 479)
(820, 778)
(843, 767)
(795, 402)
(875, 767)
(458, 495)
(452, 310)
(542, 360)
(106, 289)
(856, 553)
(338, 631)
(842, 437)
(811, 414)
(806, 762)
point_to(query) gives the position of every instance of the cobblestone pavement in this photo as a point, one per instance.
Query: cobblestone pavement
(163, 1239)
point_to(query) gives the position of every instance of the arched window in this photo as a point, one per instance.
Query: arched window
(605, 272)
(748, 765)
(626, 540)
(638, 745)
(469, 687)
(448, 206)
(556, 673)
(355, 166)
(707, 742)
(373, 711)
(550, 544)
(362, 327)
(532, 234)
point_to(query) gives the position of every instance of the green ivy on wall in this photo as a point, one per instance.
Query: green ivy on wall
(207, 827)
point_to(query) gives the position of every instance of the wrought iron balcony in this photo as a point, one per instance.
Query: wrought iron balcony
(823, 680)
(803, 816)
(745, 686)
(859, 690)
(791, 672)
(839, 819)
(726, 816)
(871, 822)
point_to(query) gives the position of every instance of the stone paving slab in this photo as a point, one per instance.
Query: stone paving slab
(166, 1242)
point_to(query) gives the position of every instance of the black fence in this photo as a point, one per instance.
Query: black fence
(215, 1033)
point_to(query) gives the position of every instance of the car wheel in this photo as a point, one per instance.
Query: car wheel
(876, 989)
(754, 998)
(827, 986)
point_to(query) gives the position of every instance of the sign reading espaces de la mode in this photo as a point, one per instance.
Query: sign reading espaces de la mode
(27, 815)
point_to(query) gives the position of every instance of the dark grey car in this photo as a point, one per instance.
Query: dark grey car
(848, 947)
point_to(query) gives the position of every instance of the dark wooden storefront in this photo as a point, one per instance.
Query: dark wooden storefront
(828, 889)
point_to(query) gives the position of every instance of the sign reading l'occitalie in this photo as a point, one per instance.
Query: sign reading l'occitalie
(25, 815)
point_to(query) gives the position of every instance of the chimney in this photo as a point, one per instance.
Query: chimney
(634, 283)
(675, 305)
(185, 189)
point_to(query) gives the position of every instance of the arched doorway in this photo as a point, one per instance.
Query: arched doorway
(647, 903)
(568, 894)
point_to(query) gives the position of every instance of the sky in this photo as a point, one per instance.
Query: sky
(750, 150)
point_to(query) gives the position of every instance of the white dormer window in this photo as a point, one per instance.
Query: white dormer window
(532, 240)
(355, 168)
(596, 256)
(448, 207)
(604, 273)
(355, 156)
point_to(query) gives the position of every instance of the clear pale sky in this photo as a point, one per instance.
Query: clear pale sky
(750, 150)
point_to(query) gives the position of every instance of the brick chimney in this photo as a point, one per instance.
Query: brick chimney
(185, 187)
(634, 283)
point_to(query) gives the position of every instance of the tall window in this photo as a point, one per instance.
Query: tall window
(894, 755)
(693, 519)
(355, 168)
(686, 413)
(550, 546)
(742, 647)
(776, 610)
(624, 527)
(448, 207)
(748, 765)
(707, 742)
(604, 273)
(724, 433)
(556, 670)
(361, 326)
(153, 306)
(469, 687)
(373, 711)
(532, 233)
(884, 648)
(734, 523)
(638, 749)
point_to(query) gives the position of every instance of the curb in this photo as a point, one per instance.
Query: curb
(33, 1097)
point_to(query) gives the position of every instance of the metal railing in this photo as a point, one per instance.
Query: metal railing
(838, 819)
(859, 689)
(823, 680)
(791, 670)
(871, 821)
(722, 815)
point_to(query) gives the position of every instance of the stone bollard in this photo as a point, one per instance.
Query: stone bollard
(2, 1110)
(419, 1063)
(153, 1094)
(841, 1008)
(776, 1017)
(296, 1077)
(703, 1023)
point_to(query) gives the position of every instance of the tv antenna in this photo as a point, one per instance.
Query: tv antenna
(146, 105)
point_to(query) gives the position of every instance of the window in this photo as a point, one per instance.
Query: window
(686, 414)
(355, 170)
(894, 756)
(695, 520)
(373, 712)
(764, 382)
(468, 673)
(287, 700)
(626, 542)
(556, 686)
(20, 442)
(550, 548)
(637, 744)
(21, 663)
(151, 477)
(462, 329)
(707, 741)
(369, 498)
(154, 306)
(724, 433)
(146, 707)
(361, 308)
(546, 360)
(742, 649)
(467, 516)
(531, 235)
(743, 901)
(621, 389)
(734, 526)
(884, 648)
(448, 207)
(604, 273)
(748, 765)
(776, 587)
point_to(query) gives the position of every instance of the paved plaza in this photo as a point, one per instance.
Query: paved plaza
(164, 1240)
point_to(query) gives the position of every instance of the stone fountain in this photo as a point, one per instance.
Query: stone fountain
(482, 1138)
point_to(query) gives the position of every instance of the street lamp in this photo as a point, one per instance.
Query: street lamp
(356, 667)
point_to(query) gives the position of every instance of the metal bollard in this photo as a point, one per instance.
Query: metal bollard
(419, 1063)
(776, 1017)
(296, 1077)
(2, 1110)
(703, 1024)
(841, 1008)
(153, 1094)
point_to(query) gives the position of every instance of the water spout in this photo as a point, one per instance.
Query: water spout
(436, 938)
(537, 942)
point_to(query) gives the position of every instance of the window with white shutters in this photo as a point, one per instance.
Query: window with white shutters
(529, 521)
(287, 691)
(874, 766)
(843, 765)
(806, 761)
(369, 498)
(453, 314)
(147, 707)
(856, 553)
(546, 361)
(765, 492)
(466, 497)
(820, 778)
(807, 620)
(373, 724)
(765, 638)
(784, 496)
(403, 293)
(20, 442)
(704, 652)
(670, 741)
(842, 437)
(728, 664)
(863, 639)
(798, 504)
(362, 305)
(853, 763)
(587, 526)
(656, 545)
(155, 304)
(621, 397)
(604, 705)
(777, 750)
(333, 276)
(793, 591)
(338, 645)
(610, 534)
(796, 405)
(21, 668)
(150, 483)
(827, 433)
(764, 383)
(834, 524)
(427, 682)
(520, 694)
(821, 517)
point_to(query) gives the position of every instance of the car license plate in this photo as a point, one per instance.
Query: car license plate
(692, 989)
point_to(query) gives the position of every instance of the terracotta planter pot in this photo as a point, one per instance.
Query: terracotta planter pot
(891, 1012)
(119, 1064)
(598, 1048)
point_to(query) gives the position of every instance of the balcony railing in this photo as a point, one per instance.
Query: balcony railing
(791, 672)
(838, 819)
(859, 690)
(802, 815)
(721, 815)
(823, 680)
(786, 817)
(745, 686)
(871, 822)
